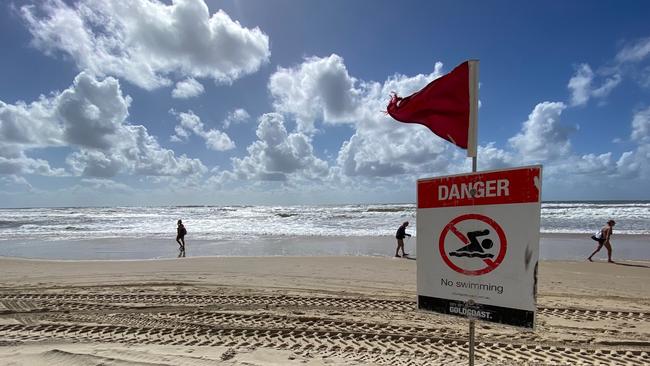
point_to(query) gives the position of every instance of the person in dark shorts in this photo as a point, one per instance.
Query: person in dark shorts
(602, 237)
(400, 235)
(180, 235)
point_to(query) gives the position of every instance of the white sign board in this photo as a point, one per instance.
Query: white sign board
(478, 243)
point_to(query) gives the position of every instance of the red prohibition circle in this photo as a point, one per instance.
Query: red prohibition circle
(491, 265)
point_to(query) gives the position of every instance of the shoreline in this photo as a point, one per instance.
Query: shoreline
(553, 246)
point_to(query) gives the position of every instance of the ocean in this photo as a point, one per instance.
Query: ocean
(258, 222)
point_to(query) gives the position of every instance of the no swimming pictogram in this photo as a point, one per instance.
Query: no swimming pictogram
(472, 244)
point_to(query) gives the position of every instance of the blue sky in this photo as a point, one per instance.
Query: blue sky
(139, 102)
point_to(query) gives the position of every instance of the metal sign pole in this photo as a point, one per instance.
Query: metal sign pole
(472, 139)
(469, 306)
(471, 342)
(471, 303)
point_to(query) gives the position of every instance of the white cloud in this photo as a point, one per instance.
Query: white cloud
(29, 124)
(582, 89)
(641, 126)
(383, 147)
(578, 166)
(278, 155)
(89, 116)
(319, 88)
(109, 145)
(187, 88)
(580, 85)
(92, 111)
(138, 153)
(627, 63)
(239, 115)
(322, 89)
(491, 158)
(21, 164)
(214, 139)
(634, 52)
(381, 151)
(104, 185)
(13, 183)
(92, 163)
(634, 164)
(109, 37)
(542, 136)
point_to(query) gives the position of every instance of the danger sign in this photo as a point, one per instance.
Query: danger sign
(478, 243)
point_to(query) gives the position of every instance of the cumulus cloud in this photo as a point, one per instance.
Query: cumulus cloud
(89, 116)
(382, 147)
(542, 136)
(381, 150)
(92, 111)
(239, 115)
(278, 155)
(108, 37)
(641, 126)
(319, 88)
(29, 124)
(137, 152)
(491, 157)
(21, 164)
(634, 164)
(593, 166)
(190, 122)
(582, 88)
(187, 88)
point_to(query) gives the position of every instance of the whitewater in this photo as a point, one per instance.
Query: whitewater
(251, 222)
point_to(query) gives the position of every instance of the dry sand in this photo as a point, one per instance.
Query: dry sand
(303, 311)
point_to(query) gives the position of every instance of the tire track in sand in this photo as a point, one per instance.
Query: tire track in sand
(382, 348)
(112, 301)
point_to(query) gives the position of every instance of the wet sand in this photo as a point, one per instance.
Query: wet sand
(552, 247)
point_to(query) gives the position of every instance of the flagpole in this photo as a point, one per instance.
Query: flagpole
(472, 151)
(472, 131)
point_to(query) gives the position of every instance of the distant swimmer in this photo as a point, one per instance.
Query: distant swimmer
(602, 237)
(180, 235)
(400, 235)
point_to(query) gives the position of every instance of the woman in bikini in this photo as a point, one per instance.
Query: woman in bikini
(603, 240)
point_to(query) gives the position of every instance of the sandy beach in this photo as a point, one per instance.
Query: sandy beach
(336, 310)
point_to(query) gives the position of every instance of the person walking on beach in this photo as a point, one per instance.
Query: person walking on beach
(400, 235)
(180, 235)
(602, 237)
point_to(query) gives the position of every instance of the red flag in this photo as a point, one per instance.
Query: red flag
(447, 106)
